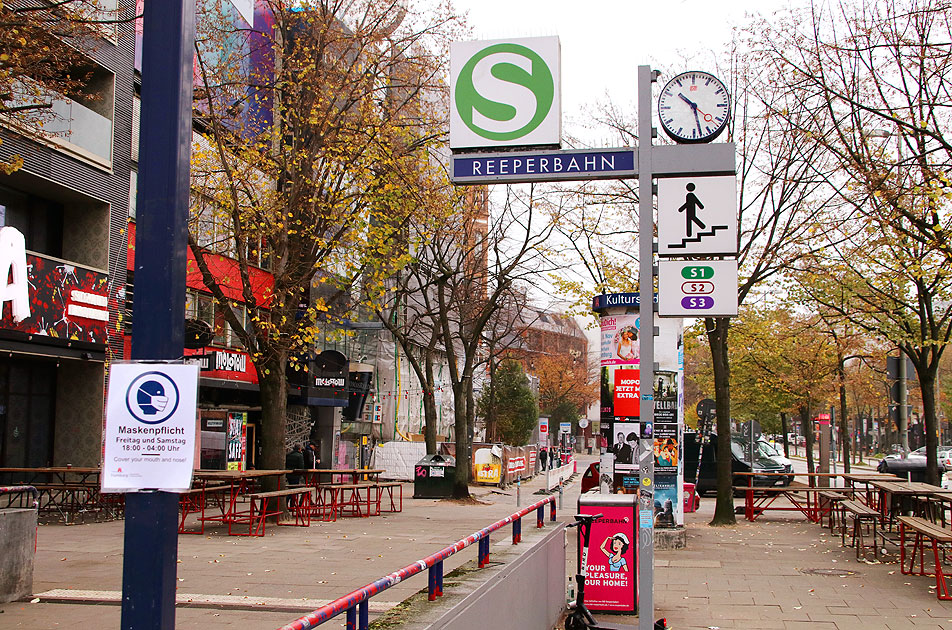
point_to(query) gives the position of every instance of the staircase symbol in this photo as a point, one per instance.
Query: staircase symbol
(697, 238)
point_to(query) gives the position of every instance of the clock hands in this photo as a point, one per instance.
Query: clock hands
(694, 108)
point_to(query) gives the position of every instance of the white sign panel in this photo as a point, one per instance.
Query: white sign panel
(150, 427)
(697, 215)
(698, 288)
(505, 93)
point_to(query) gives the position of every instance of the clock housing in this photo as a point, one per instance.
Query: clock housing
(694, 107)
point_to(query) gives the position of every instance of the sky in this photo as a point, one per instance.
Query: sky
(604, 41)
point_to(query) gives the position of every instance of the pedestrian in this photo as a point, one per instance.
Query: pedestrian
(552, 456)
(544, 457)
(294, 461)
(311, 459)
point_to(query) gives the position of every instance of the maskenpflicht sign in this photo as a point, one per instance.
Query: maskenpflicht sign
(505, 93)
(150, 427)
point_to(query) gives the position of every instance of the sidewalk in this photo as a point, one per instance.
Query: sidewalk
(780, 573)
(263, 583)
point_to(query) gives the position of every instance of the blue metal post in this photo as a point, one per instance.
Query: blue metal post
(351, 618)
(517, 531)
(363, 610)
(431, 583)
(540, 516)
(151, 539)
(552, 510)
(439, 579)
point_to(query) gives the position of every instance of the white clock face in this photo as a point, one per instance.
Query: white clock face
(694, 107)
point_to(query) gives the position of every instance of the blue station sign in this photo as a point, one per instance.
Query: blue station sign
(543, 166)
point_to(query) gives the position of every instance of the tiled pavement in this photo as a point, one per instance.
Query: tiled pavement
(781, 573)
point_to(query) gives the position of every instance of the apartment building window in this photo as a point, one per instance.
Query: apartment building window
(39, 220)
(204, 307)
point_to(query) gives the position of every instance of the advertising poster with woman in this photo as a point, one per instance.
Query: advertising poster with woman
(612, 567)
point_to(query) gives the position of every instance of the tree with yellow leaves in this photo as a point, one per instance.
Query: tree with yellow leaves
(316, 128)
(43, 53)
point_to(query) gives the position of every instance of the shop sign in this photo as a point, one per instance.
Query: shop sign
(50, 297)
(150, 427)
(323, 381)
(229, 362)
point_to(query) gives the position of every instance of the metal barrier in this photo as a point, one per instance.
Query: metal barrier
(356, 603)
(20, 490)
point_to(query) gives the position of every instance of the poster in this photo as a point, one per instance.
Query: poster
(612, 569)
(236, 440)
(666, 448)
(666, 504)
(624, 445)
(619, 339)
(626, 393)
(151, 412)
(487, 467)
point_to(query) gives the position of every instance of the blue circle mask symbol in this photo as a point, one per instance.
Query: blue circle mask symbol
(152, 397)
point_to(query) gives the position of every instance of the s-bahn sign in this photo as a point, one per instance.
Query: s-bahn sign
(505, 93)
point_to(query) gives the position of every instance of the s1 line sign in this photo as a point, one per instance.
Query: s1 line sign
(505, 93)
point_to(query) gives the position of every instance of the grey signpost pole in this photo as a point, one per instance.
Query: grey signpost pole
(645, 515)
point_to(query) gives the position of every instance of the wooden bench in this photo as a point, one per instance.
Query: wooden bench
(859, 514)
(263, 505)
(828, 501)
(924, 529)
(194, 501)
(353, 499)
(389, 487)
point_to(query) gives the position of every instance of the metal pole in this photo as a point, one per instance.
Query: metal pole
(903, 411)
(151, 536)
(646, 347)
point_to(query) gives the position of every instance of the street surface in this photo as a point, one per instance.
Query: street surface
(779, 572)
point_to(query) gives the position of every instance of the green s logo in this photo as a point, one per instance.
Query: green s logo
(504, 92)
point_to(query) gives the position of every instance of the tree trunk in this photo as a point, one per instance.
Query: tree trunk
(717, 329)
(783, 429)
(807, 423)
(927, 379)
(430, 412)
(274, 405)
(463, 447)
(844, 425)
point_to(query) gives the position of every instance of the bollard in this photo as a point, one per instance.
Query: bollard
(519, 493)
(560, 494)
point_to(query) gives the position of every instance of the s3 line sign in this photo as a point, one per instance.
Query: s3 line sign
(505, 93)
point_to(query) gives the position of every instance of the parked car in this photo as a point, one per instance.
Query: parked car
(706, 481)
(913, 465)
(773, 452)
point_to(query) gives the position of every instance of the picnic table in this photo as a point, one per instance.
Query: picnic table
(65, 491)
(898, 498)
(313, 476)
(864, 479)
(240, 483)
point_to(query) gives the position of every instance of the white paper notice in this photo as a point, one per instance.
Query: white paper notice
(150, 427)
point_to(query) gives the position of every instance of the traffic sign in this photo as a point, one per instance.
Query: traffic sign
(505, 93)
(697, 288)
(697, 216)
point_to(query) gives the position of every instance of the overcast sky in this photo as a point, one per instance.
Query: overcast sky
(604, 41)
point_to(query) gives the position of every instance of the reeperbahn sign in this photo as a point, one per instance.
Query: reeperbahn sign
(520, 167)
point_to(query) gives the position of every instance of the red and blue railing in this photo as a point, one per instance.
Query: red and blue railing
(22, 490)
(357, 603)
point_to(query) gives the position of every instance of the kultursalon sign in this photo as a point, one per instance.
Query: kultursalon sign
(505, 93)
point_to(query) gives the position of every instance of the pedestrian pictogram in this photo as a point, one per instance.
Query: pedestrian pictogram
(697, 216)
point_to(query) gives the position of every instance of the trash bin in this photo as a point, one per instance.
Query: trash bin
(433, 477)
